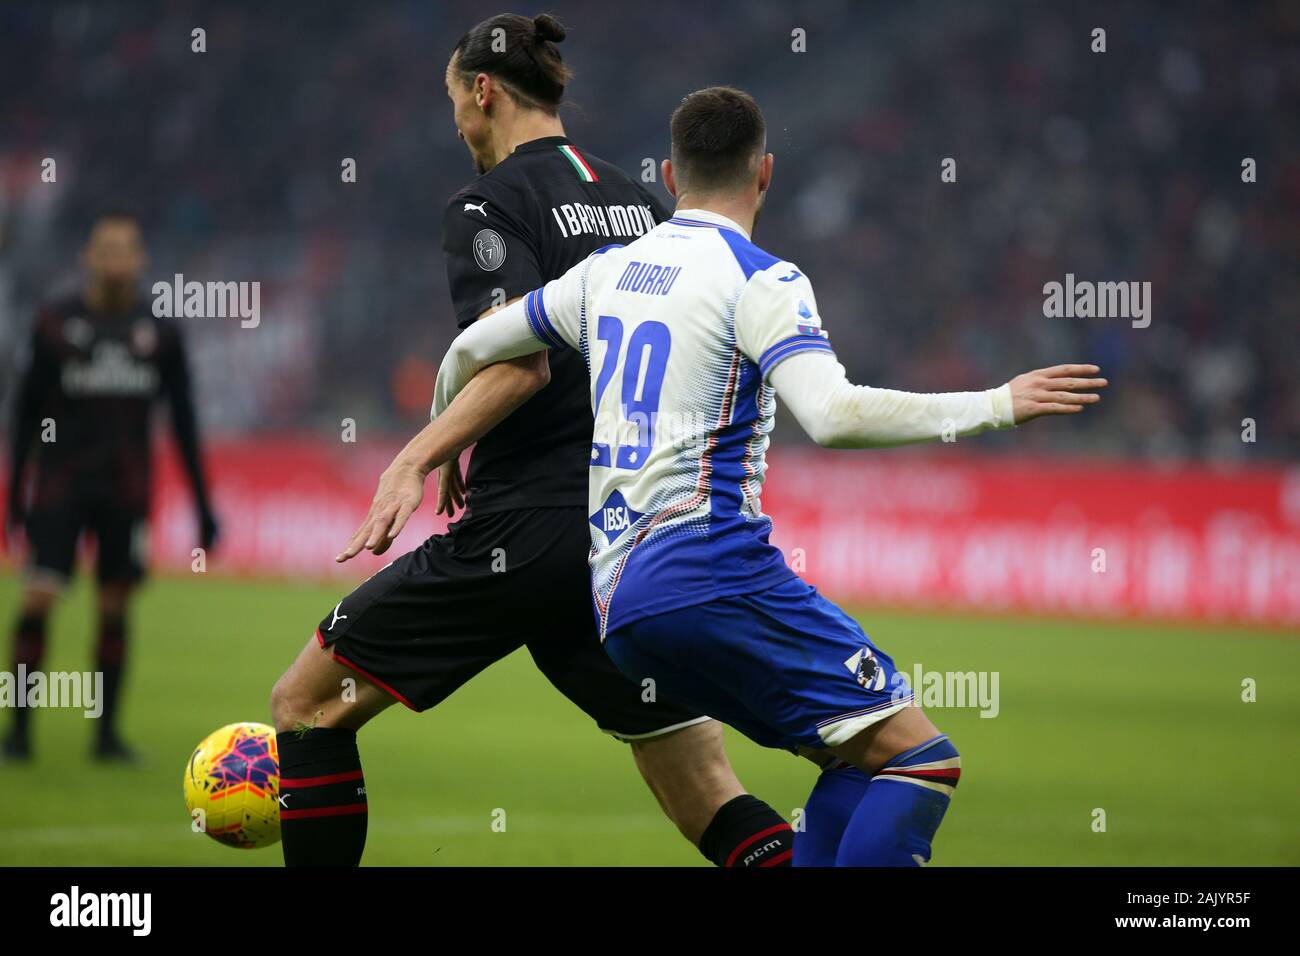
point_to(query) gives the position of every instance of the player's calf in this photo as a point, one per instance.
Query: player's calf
(317, 707)
(913, 771)
(28, 653)
(691, 777)
(689, 774)
(839, 789)
(110, 660)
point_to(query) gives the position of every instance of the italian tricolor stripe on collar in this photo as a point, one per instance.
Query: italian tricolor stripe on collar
(580, 165)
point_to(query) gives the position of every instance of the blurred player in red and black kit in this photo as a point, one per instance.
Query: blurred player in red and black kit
(97, 363)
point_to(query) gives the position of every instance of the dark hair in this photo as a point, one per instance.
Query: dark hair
(717, 134)
(522, 56)
(115, 213)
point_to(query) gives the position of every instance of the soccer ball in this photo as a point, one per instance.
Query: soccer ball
(232, 786)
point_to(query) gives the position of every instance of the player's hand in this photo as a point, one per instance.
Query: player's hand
(451, 488)
(1059, 390)
(209, 529)
(400, 491)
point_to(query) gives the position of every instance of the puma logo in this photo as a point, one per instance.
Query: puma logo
(478, 208)
(337, 616)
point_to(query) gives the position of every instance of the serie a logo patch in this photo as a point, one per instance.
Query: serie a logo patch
(808, 323)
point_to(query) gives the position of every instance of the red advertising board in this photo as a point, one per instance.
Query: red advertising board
(1043, 536)
(932, 530)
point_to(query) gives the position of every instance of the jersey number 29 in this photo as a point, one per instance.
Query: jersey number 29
(643, 379)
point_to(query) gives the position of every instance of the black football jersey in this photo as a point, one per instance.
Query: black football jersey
(538, 213)
(85, 401)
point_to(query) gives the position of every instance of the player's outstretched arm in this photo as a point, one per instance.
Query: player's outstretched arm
(498, 337)
(837, 414)
(465, 408)
(486, 400)
(400, 491)
(491, 396)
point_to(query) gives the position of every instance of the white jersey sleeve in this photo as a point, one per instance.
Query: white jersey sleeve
(776, 317)
(838, 414)
(554, 311)
(498, 337)
(549, 317)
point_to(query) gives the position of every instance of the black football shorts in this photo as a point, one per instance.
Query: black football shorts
(432, 619)
(121, 539)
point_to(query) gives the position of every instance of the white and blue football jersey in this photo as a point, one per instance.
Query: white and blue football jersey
(680, 331)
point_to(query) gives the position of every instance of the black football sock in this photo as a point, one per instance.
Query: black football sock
(110, 659)
(322, 797)
(747, 832)
(29, 651)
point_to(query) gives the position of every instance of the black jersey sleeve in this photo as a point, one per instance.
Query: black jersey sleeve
(176, 387)
(39, 370)
(491, 254)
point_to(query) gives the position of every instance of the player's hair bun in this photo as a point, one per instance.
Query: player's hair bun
(546, 27)
(530, 68)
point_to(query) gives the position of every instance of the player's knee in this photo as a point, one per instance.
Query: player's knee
(38, 600)
(113, 600)
(280, 703)
(934, 763)
(941, 747)
(291, 704)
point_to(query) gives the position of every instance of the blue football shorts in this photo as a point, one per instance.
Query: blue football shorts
(784, 666)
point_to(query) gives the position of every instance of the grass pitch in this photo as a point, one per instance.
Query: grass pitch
(1144, 723)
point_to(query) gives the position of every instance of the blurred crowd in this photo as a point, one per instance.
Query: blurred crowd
(1123, 165)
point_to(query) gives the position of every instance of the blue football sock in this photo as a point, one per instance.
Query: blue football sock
(896, 820)
(837, 793)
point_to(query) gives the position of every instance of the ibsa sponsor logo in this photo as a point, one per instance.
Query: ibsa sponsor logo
(615, 516)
